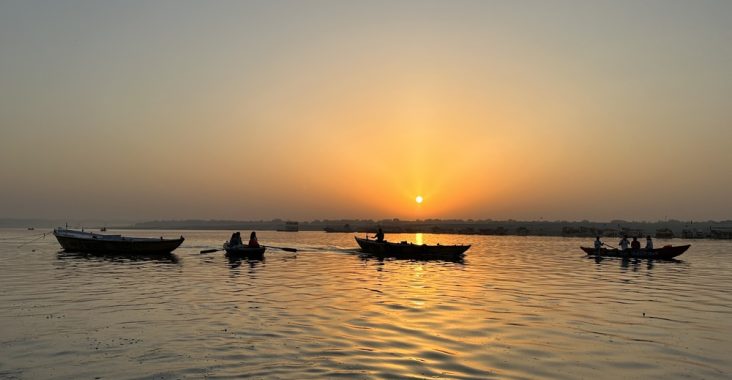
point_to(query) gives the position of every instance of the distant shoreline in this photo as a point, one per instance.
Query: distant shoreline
(661, 229)
(615, 228)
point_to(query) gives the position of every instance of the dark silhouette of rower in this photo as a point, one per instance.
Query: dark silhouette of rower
(235, 239)
(253, 242)
(598, 245)
(379, 235)
(635, 244)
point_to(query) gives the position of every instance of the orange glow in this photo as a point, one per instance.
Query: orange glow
(478, 119)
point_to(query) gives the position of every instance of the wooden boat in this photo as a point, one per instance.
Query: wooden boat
(89, 242)
(664, 253)
(406, 250)
(244, 251)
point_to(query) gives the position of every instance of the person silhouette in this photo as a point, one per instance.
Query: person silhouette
(235, 239)
(635, 244)
(598, 245)
(253, 242)
(623, 243)
(379, 235)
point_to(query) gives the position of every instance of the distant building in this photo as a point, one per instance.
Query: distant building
(581, 231)
(500, 231)
(633, 232)
(346, 228)
(688, 233)
(610, 232)
(290, 227)
(664, 233)
(720, 232)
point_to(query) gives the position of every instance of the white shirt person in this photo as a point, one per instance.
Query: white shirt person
(623, 243)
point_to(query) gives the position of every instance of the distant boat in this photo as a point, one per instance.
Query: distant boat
(406, 250)
(290, 227)
(89, 242)
(103, 229)
(346, 228)
(664, 253)
(664, 233)
(31, 228)
(244, 251)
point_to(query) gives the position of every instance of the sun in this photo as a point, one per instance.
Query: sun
(419, 199)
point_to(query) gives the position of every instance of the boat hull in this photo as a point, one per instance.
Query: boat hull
(412, 251)
(244, 252)
(79, 241)
(663, 253)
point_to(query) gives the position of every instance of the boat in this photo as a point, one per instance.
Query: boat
(406, 250)
(244, 251)
(664, 253)
(90, 242)
(290, 227)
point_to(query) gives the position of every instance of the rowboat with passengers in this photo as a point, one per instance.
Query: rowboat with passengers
(664, 253)
(406, 250)
(244, 251)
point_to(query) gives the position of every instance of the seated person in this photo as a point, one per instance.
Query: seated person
(635, 244)
(253, 243)
(235, 239)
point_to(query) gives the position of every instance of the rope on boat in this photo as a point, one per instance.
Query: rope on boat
(38, 238)
(22, 237)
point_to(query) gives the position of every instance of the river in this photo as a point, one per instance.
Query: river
(515, 308)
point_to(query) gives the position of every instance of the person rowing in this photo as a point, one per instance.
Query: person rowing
(379, 235)
(598, 245)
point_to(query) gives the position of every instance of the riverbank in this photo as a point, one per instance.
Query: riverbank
(660, 229)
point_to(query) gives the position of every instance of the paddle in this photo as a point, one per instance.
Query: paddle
(609, 245)
(282, 248)
(268, 246)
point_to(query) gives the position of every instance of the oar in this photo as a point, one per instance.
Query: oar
(267, 246)
(282, 248)
(609, 245)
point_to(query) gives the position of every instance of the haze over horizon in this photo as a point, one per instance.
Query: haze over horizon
(562, 110)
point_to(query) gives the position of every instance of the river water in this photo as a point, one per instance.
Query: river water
(516, 308)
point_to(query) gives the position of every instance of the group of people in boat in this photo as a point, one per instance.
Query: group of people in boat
(635, 245)
(236, 240)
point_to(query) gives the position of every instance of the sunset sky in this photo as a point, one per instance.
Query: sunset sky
(342, 109)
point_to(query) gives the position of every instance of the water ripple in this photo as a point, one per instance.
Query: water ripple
(517, 307)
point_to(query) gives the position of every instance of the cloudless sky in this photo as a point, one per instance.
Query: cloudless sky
(341, 109)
